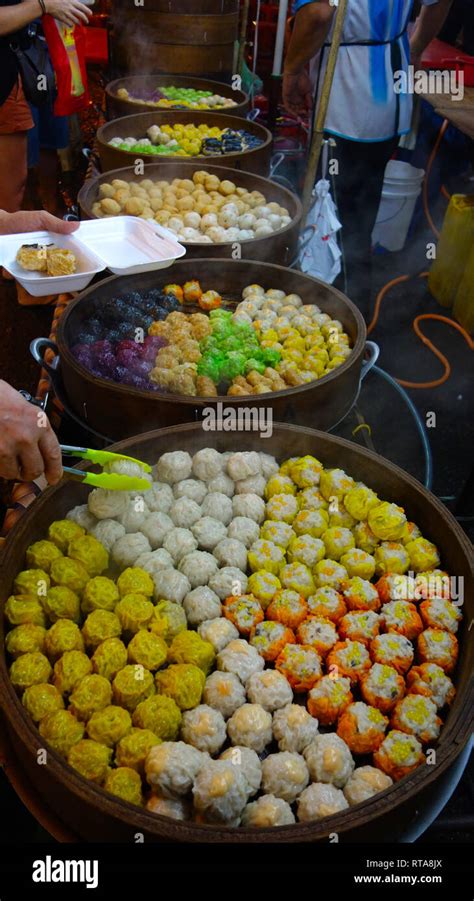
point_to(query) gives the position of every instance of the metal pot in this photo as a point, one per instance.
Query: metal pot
(256, 160)
(91, 814)
(118, 410)
(281, 247)
(116, 106)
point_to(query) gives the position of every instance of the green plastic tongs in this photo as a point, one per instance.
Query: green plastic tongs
(112, 481)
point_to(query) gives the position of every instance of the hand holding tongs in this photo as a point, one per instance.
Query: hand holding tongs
(111, 481)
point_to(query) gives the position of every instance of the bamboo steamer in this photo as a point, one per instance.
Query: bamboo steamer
(281, 247)
(256, 160)
(87, 812)
(186, 37)
(137, 83)
(120, 410)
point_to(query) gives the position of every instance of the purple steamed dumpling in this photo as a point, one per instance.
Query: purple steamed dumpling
(128, 344)
(119, 373)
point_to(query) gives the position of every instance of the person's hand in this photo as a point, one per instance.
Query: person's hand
(70, 12)
(33, 221)
(28, 445)
(297, 92)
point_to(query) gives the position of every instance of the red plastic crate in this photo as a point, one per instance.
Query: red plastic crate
(97, 50)
(439, 55)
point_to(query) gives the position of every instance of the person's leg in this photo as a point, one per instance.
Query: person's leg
(15, 122)
(13, 170)
(358, 190)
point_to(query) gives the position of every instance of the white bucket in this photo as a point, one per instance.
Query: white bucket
(401, 189)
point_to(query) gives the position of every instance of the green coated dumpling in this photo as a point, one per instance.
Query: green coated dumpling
(62, 603)
(100, 625)
(90, 552)
(91, 759)
(109, 725)
(159, 714)
(131, 685)
(92, 693)
(30, 669)
(134, 612)
(70, 573)
(126, 784)
(184, 682)
(41, 699)
(25, 639)
(63, 531)
(133, 749)
(32, 582)
(70, 669)
(135, 580)
(23, 609)
(64, 635)
(61, 730)
(41, 554)
(147, 649)
(100, 593)
(168, 620)
(189, 647)
(109, 657)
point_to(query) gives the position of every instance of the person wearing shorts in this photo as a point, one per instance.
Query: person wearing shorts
(15, 115)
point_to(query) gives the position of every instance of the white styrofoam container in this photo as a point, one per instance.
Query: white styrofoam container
(123, 244)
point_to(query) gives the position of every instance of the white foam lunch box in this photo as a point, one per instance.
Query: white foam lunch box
(124, 244)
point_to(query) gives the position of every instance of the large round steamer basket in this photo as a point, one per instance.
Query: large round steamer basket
(94, 815)
(256, 160)
(195, 37)
(280, 247)
(119, 411)
(139, 84)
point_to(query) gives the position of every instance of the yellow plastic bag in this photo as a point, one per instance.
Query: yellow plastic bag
(453, 251)
(464, 303)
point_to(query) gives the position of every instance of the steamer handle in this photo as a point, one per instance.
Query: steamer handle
(275, 163)
(373, 351)
(92, 158)
(37, 348)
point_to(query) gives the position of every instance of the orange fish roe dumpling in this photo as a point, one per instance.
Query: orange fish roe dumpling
(301, 665)
(269, 638)
(402, 617)
(327, 602)
(381, 686)
(349, 658)
(329, 698)
(244, 611)
(359, 625)
(359, 594)
(417, 715)
(318, 633)
(399, 754)
(394, 649)
(362, 727)
(438, 646)
(288, 607)
(432, 682)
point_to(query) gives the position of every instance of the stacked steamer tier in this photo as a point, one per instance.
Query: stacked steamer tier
(117, 409)
(186, 37)
(274, 240)
(106, 660)
(202, 135)
(140, 93)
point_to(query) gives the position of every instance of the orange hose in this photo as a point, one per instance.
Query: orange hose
(427, 177)
(417, 329)
(445, 193)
